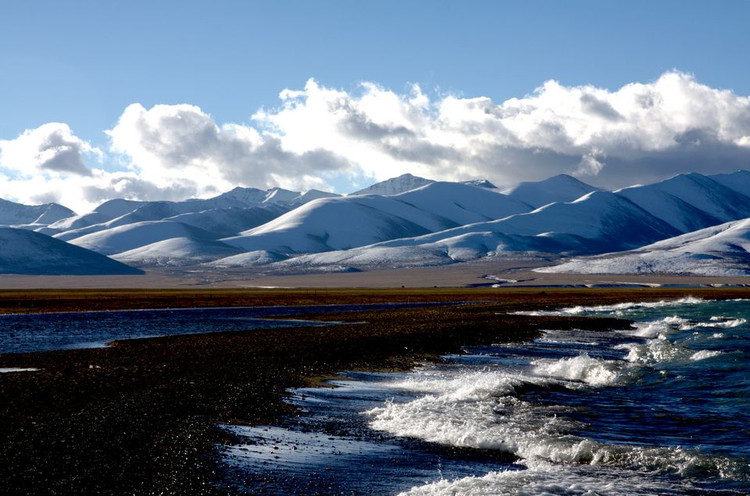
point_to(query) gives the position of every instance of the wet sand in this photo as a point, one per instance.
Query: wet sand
(141, 416)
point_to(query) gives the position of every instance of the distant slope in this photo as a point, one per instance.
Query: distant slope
(394, 186)
(598, 222)
(17, 214)
(28, 252)
(175, 252)
(139, 234)
(560, 188)
(689, 202)
(310, 195)
(103, 213)
(352, 221)
(224, 222)
(412, 221)
(120, 212)
(722, 250)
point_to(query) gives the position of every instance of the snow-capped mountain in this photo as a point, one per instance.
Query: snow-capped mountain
(394, 186)
(689, 202)
(413, 221)
(17, 214)
(560, 188)
(27, 252)
(352, 221)
(175, 252)
(139, 234)
(598, 222)
(105, 212)
(722, 250)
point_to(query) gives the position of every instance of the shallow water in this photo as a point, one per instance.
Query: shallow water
(661, 409)
(57, 331)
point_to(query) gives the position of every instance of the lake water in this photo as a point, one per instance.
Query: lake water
(661, 409)
(57, 331)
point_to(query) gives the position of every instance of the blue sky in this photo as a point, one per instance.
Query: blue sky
(83, 63)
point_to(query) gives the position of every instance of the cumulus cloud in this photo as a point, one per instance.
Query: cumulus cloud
(49, 149)
(613, 138)
(171, 145)
(638, 133)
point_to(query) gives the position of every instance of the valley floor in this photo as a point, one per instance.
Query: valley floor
(487, 272)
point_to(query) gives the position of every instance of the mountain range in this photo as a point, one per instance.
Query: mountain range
(691, 223)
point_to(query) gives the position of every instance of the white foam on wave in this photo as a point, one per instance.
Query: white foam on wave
(654, 351)
(474, 410)
(704, 354)
(617, 309)
(541, 436)
(474, 385)
(724, 323)
(548, 478)
(583, 368)
(660, 328)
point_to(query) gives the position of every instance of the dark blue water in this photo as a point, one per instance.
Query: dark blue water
(55, 331)
(661, 409)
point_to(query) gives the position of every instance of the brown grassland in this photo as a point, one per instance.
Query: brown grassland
(141, 416)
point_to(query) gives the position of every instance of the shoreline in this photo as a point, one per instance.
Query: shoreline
(141, 416)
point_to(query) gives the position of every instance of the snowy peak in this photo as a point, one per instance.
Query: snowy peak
(462, 203)
(394, 186)
(353, 221)
(704, 194)
(17, 214)
(313, 194)
(247, 197)
(240, 195)
(560, 188)
(480, 183)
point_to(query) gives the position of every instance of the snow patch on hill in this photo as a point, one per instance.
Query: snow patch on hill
(17, 214)
(722, 250)
(176, 252)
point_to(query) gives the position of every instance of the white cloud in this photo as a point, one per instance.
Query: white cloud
(638, 133)
(50, 149)
(641, 129)
(170, 145)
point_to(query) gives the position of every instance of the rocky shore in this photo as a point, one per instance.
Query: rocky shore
(140, 417)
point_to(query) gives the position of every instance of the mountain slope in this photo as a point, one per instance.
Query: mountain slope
(722, 250)
(394, 186)
(122, 212)
(560, 188)
(28, 252)
(139, 234)
(598, 222)
(348, 222)
(176, 252)
(17, 214)
(673, 210)
(689, 202)
(738, 181)
(103, 213)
